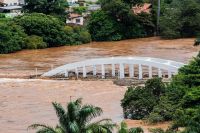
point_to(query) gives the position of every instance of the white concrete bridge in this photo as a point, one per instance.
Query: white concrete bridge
(134, 67)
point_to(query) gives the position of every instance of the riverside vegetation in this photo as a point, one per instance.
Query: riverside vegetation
(178, 101)
(42, 25)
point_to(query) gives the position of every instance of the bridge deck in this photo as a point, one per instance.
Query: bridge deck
(161, 64)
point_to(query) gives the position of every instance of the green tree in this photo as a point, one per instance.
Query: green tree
(12, 37)
(48, 27)
(102, 27)
(80, 9)
(123, 128)
(77, 119)
(35, 42)
(139, 102)
(53, 7)
(180, 18)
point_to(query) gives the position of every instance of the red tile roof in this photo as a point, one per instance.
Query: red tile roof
(146, 8)
(74, 15)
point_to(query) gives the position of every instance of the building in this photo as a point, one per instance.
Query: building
(12, 2)
(11, 11)
(71, 2)
(75, 19)
(94, 7)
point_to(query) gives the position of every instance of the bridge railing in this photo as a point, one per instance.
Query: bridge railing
(170, 66)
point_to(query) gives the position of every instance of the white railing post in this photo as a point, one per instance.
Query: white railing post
(131, 70)
(140, 72)
(84, 72)
(169, 74)
(113, 70)
(94, 70)
(159, 73)
(150, 72)
(76, 72)
(121, 69)
(102, 71)
(66, 73)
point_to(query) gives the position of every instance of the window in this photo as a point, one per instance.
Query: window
(78, 20)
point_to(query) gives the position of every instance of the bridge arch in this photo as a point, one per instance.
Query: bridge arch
(171, 67)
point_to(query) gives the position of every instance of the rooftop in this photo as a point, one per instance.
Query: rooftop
(10, 7)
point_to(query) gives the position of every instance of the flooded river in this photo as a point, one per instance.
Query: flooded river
(25, 62)
(25, 101)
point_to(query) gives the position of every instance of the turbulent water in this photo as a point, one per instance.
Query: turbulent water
(25, 101)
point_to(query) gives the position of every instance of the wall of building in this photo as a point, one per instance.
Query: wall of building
(12, 2)
(74, 21)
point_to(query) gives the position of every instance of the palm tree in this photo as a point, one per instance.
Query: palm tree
(77, 119)
(124, 129)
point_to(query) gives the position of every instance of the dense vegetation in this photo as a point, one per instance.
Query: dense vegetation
(116, 21)
(178, 101)
(43, 25)
(38, 30)
(180, 18)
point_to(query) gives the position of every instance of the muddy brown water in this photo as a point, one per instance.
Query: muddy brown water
(24, 101)
(23, 63)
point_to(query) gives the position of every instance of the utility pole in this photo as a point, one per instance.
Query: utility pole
(158, 19)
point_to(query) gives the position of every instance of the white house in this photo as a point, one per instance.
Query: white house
(75, 19)
(12, 2)
(70, 2)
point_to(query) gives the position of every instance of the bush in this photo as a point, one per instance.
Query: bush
(35, 42)
(139, 102)
(48, 27)
(77, 35)
(12, 38)
(102, 27)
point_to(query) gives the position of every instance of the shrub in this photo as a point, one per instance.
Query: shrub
(35, 42)
(12, 38)
(102, 27)
(139, 102)
(85, 37)
(48, 27)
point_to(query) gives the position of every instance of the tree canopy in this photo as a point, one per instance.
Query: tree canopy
(53, 7)
(77, 119)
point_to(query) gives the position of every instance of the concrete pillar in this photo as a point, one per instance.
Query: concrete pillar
(94, 70)
(84, 72)
(121, 69)
(150, 72)
(113, 70)
(76, 71)
(102, 71)
(140, 72)
(169, 74)
(159, 73)
(131, 70)
(66, 73)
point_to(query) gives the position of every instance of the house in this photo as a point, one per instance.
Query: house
(145, 8)
(71, 2)
(94, 7)
(75, 19)
(12, 2)
(11, 11)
